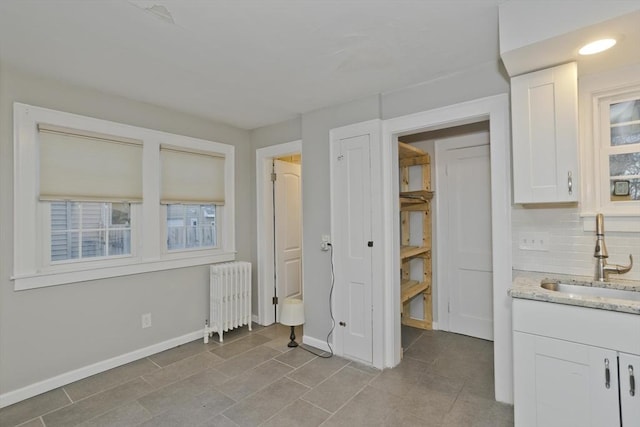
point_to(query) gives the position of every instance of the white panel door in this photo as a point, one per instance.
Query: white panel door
(629, 393)
(470, 276)
(288, 229)
(352, 253)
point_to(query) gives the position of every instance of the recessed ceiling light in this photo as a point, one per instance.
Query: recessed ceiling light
(597, 46)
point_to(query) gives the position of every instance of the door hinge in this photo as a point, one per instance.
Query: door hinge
(273, 177)
(274, 300)
(449, 307)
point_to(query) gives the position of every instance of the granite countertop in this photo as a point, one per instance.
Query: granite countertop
(526, 284)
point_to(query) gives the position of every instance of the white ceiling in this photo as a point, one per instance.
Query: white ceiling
(248, 63)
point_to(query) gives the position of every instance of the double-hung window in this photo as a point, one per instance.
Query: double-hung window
(620, 150)
(192, 188)
(610, 149)
(88, 181)
(96, 199)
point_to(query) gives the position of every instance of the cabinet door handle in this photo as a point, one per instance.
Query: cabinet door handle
(632, 381)
(570, 182)
(607, 374)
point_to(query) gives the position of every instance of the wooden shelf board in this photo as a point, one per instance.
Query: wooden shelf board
(418, 196)
(408, 150)
(416, 323)
(412, 251)
(415, 161)
(411, 288)
(409, 207)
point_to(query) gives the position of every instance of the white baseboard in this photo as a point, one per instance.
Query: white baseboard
(313, 342)
(35, 389)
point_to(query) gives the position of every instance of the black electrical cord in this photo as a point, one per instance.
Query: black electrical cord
(333, 321)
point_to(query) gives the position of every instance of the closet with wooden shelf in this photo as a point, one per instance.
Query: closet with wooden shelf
(415, 245)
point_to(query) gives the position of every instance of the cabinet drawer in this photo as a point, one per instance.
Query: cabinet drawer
(601, 328)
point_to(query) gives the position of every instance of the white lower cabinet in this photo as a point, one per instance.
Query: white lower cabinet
(564, 384)
(574, 366)
(629, 366)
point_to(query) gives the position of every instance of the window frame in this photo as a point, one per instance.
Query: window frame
(604, 150)
(32, 267)
(594, 90)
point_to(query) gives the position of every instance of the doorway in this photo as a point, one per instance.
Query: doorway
(286, 181)
(279, 227)
(495, 110)
(462, 272)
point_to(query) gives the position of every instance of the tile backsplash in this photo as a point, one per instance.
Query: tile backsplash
(570, 248)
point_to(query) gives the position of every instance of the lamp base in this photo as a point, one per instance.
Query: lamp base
(292, 337)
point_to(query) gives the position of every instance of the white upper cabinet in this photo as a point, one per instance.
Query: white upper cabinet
(544, 106)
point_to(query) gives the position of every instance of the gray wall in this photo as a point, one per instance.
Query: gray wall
(485, 80)
(473, 83)
(49, 331)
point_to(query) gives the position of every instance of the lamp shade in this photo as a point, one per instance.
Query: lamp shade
(292, 312)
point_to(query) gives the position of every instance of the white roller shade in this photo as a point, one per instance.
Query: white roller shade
(191, 177)
(86, 166)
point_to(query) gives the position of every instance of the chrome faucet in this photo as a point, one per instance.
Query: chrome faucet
(601, 255)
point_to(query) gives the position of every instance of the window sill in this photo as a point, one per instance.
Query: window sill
(54, 278)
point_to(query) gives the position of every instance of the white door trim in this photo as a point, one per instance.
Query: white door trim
(378, 225)
(496, 110)
(264, 231)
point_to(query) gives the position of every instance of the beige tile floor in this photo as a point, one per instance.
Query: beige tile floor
(444, 380)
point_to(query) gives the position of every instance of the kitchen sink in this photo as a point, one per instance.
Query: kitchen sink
(592, 291)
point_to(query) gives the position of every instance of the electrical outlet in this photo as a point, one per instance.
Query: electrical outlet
(534, 241)
(326, 240)
(146, 320)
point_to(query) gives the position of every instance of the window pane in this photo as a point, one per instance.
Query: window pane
(208, 225)
(65, 245)
(120, 214)
(175, 227)
(175, 238)
(191, 226)
(623, 112)
(93, 216)
(119, 242)
(89, 230)
(624, 164)
(93, 244)
(632, 186)
(624, 135)
(60, 216)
